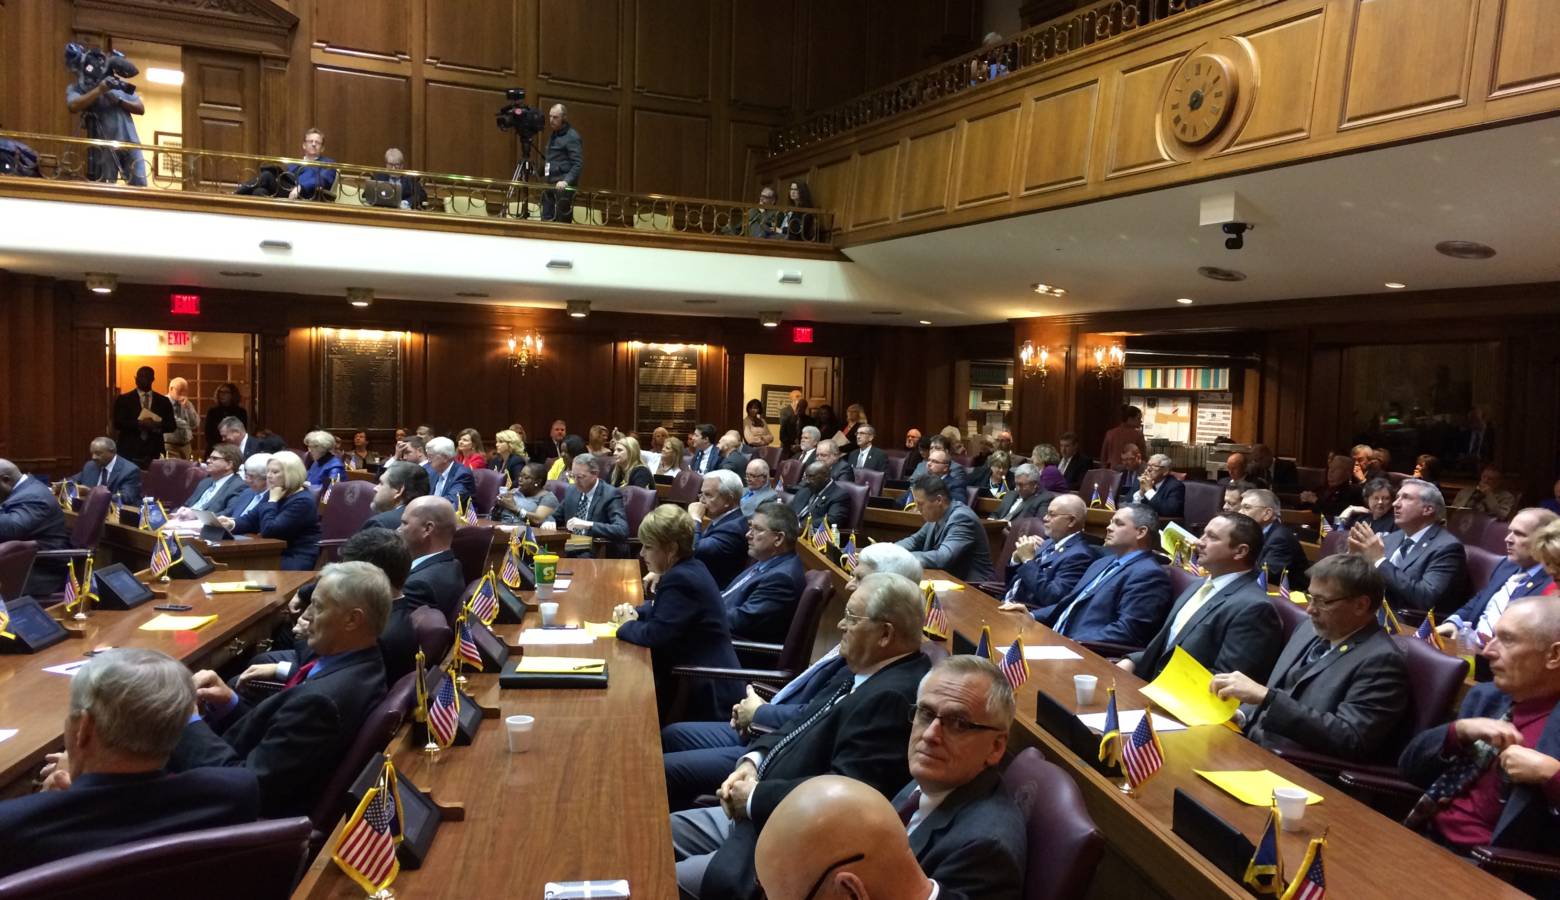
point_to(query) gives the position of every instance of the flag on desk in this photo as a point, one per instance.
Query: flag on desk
(1389, 620)
(1427, 632)
(1324, 527)
(1094, 496)
(1262, 581)
(1193, 566)
(1110, 501)
(1110, 735)
(367, 848)
(528, 544)
(1311, 883)
(851, 555)
(1283, 585)
(153, 516)
(1014, 665)
(62, 494)
(444, 711)
(820, 538)
(1265, 872)
(467, 514)
(71, 591)
(165, 553)
(5, 619)
(1141, 754)
(466, 647)
(936, 625)
(984, 648)
(484, 600)
(510, 572)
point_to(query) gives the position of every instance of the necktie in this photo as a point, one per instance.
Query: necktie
(206, 497)
(252, 502)
(146, 400)
(103, 475)
(861, 464)
(1083, 595)
(840, 693)
(1190, 609)
(299, 675)
(1403, 552)
(1454, 782)
(1498, 603)
(907, 810)
(742, 579)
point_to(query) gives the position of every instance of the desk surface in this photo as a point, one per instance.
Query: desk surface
(587, 802)
(244, 549)
(34, 701)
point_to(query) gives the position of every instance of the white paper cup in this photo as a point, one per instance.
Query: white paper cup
(1083, 686)
(519, 731)
(549, 614)
(1291, 807)
(544, 591)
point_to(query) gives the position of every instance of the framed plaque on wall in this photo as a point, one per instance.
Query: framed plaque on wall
(361, 374)
(666, 389)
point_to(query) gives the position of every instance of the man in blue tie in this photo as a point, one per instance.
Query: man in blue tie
(758, 490)
(761, 600)
(221, 484)
(448, 478)
(1124, 595)
(1518, 575)
(1041, 574)
(706, 456)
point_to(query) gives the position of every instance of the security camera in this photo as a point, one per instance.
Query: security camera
(1237, 234)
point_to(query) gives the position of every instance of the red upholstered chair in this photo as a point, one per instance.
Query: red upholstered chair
(88, 530)
(1468, 526)
(1336, 541)
(434, 634)
(858, 506)
(351, 504)
(790, 472)
(970, 495)
(488, 481)
(1181, 581)
(375, 733)
(16, 559)
(791, 657)
(872, 480)
(471, 546)
(685, 487)
(1204, 500)
(266, 856)
(1481, 565)
(167, 480)
(1034, 525)
(770, 455)
(895, 470)
(1064, 843)
(637, 503)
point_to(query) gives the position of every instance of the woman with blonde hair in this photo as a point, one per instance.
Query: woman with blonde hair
(288, 512)
(855, 417)
(1545, 547)
(596, 439)
(508, 455)
(628, 468)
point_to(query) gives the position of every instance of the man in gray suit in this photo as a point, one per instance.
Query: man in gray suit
(1226, 623)
(110, 470)
(1341, 684)
(756, 490)
(1424, 567)
(593, 508)
(222, 482)
(952, 538)
(1028, 500)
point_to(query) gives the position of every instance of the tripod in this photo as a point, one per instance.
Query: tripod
(521, 179)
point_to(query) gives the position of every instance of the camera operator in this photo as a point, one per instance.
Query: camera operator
(105, 107)
(561, 166)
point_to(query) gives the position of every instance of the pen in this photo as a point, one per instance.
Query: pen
(591, 666)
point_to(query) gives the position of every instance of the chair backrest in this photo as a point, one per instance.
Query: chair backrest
(351, 503)
(895, 470)
(794, 653)
(771, 455)
(935, 651)
(637, 503)
(1033, 525)
(1493, 537)
(471, 546)
(267, 857)
(1311, 478)
(1467, 526)
(1064, 843)
(1434, 680)
(1204, 500)
(1105, 478)
(559, 487)
(970, 493)
(1481, 565)
(92, 519)
(164, 480)
(962, 459)
(1336, 541)
(487, 481)
(16, 559)
(373, 735)
(434, 635)
(790, 472)
(1290, 613)
(685, 487)
(1181, 581)
(857, 493)
(873, 480)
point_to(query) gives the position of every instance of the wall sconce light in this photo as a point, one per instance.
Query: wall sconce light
(360, 297)
(1035, 362)
(525, 352)
(1109, 361)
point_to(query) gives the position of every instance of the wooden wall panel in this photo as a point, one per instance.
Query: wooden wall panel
(475, 35)
(1528, 55)
(986, 151)
(361, 113)
(872, 197)
(836, 62)
(378, 31)
(489, 153)
(1405, 60)
(672, 48)
(221, 98)
(1134, 135)
(1061, 138)
(749, 144)
(671, 153)
(1288, 56)
(831, 183)
(762, 43)
(578, 42)
(928, 159)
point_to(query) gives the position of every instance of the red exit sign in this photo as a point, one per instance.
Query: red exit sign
(178, 338)
(184, 304)
(801, 334)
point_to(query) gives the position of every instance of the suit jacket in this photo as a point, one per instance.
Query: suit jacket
(252, 444)
(876, 460)
(222, 499)
(863, 736)
(31, 513)
(684, 624)
(1435, 575)
(957, 543)
(1237, 630)
(1281, 552)
(458, 483)
(295, 519)
(1471, 611)
(1075, 469)
(831, 503)
(761, 601)
(390, 518)
(1126, 608)
(974, 843)
(124, 479)
(1014, 506)
(104, 810)
(806, 457)
(1347, 704)
(736, 462)
(1127, 485)
(722, 547)
(137, 446)
(293, 739)
(1169, 498)
(706, 460)
(438, 582)
(240, 502)
(1051, 575)
(842, 471)
(752, 500)
(605, 512)
(790, 701)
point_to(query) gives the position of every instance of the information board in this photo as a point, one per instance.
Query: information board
(667, 390)
(362, 381)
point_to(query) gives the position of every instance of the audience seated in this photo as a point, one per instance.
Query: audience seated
(223, 482)
(1160, 489)
(761, 600)
(722, 543)
(952, 538)
(288, 512)
(865, 455)
(1040, 573)
(818, 498)
(324, 465)
(916, 446)
(1235, 469)
(1268, 471)
(732, 459)
(1281, 550)
(628, 467)
(701, 443)
(1047, 466)
(1338, 493)
(939, 464)
(427, 529)
(1488, 496)
(1340, 686)
(1233, 492)
(807, 445)
(1129, 480)
(1519, 575)
(670, 462)
(1027, 499)
(509, 455)
(593, 508)
(995, 478)
(1424, 566)
(235, 432)
(530, 502)
(399, 484)
(447, 478)
(127, 709)
(757, 489)
(1124, 595)
(108, 469)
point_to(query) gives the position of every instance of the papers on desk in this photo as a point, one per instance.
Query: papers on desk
(1128, 719)
(1182, 689)
(165, 622)
(6, 734)
(601, 629)
(1176, 541)
(1253, 788)
(556, 637)
(234, 587)
(66, 668)
(942, 584)
(562, 584)
(1052, 652)
(560, 665)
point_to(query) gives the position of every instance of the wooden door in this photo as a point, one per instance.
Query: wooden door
(821, 382)
(221, 111)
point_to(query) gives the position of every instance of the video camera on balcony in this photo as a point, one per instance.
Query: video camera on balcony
(92, 65)
(516, 116)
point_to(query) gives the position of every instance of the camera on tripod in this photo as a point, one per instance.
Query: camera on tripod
(516, 116)
(93, 66)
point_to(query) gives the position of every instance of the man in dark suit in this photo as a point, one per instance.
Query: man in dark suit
(255, 491)
(293, 740)
(1124, 595)
(556, 435)
(807, 446)
(1235, 469)
(732, 459)
(235, 432)
(819, 498)
(857, 726)
(436, 579)
(413, 196)
(399, 484)
(1281, 550)
(448, 478)
(719, 529)
(1267, 470)
(1340, 686)
(1518, 575)
(761, 600)
(1424, 566)
(594, 508)
(866, 456)
(1040, 573)
(30, 512)
(222, 483)
(110, 470)
(142, 417)
(1490, 775)
(1027, 499)
(940, 463)
(1226, 623)
(128, 707)
(916, 448)
(1074, 463)
(839, 469)
(701, 443)
(1160, 489)
(793, 418)
(953, 538)
(1129, 474)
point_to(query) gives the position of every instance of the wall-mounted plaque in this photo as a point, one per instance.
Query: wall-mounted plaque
(362, 380)
(667, 390)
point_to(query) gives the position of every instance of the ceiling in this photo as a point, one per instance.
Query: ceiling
(1333, 227)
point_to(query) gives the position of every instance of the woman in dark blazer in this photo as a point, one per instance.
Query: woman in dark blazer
(289, 513)
(629, 469)
(508, 456)
(683, 622)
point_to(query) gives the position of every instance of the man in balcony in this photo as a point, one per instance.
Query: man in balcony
(412, 194)
(561, 166)
(105, 112)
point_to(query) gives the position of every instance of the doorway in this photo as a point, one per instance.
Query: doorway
(206, 360)
(770, 378)
(161, 87)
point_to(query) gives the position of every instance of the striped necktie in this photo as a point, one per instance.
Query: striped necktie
(840, 694)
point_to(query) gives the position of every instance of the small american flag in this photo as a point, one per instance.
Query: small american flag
(164, 554)
(820, 538)
(1141, 755)
(367, 849)
(511, 569)
(71, 591)
(528, 544)
(1014, 666)
(466, 647)
(1427, 632)
(936, 620)
(1110, 501)
(1311, 883)
(1283, 584)
(444, 711)
(1262, 581)
(484, 600)
(851, 555)
(1324, 527)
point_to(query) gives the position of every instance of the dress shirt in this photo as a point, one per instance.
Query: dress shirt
(253, 502)
(1104, 576)
(210, 492)
(1200, 599)
(585, 500)
(928, 804)
(106, 471)
(438, 489)
(1140, 495)
(419, 560)
(1407, 548)
(1502, 598)
(785, 694)
(1469, 819)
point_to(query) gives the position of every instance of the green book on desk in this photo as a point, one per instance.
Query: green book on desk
(553, 672)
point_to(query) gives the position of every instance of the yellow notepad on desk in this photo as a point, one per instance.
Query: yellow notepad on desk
(165, 622)
(233, 587)
(601, 629)
(1255, 788)
(560, 665)
(942, 584)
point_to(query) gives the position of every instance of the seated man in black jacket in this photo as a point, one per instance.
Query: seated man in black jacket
(293, 740)
(436, 579)
(1281, 550)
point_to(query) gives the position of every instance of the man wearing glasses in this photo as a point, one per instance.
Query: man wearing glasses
(220, 485)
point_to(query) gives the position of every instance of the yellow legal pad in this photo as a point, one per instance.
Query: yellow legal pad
(941, 584)
(560, 665)
(233, 587)
(601, 629)
(165, 622)
(1255, 788)
(1182, 690)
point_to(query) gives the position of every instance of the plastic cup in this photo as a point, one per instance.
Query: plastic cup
(1291, 807)
(519, 730)
(1083, 686)
(544, 591)
(549, 614)
(545, 567)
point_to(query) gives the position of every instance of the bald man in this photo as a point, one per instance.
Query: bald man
(1040, 573)
(428, 528)
(562, 163)
(29, 512)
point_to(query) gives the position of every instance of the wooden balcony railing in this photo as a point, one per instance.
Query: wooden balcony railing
(81, 160)
(1045, 43)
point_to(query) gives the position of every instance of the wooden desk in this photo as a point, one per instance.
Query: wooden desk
(588, 800)
(1368, 855)
(35, 701)
(133, 547)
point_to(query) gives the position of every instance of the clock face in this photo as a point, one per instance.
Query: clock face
(1201, 99)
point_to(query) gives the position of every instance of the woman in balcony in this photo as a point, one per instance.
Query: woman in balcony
(799, 226)
(755, 431)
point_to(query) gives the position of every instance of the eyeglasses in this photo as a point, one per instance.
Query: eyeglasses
(849, 618)
(956, 725)
(1316, 599)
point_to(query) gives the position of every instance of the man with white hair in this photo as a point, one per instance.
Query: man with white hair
(719, 530)
(128, 707)
(1160, 489)
(828, 453)
(808, 445)
(758, 490)
(255, 490)
(448, 478)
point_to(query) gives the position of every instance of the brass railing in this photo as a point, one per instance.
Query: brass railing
(1044, 43)
(86, 161)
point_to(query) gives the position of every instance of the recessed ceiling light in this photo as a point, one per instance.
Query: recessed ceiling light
(1218, 274)
(1184, 301)
(102, 282)
(579, 309)
(560, 263)
(790, 276)
(769, 319)
(476, 294)
(361, 297)
(238, 273)
(925, 322)
(1050, 290)
(1465, 249)
(1396, 285)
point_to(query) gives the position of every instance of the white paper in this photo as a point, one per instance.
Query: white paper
(1052, 652)
(7, 733)
(562, 584)
(1128, 719)
(541, 637)
(67, 668)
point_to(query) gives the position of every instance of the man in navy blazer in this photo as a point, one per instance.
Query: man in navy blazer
(108, 469)
(235, 432)
(1281, 550)
(109, 787)
(1424, 566)
(1518, 575)
(1509, 732)
(864, 455)
(436, 579)
(1160, 489)
(592, 507)
(1074, 463)
(941, 464)
(30, 512)
(1129, 474)
(1041, 574)
(1124, 595)
(701, 444)
(1027, 499)
(721, 543)
(446, 477)
(761, 600)
(254, 491)
(222, 483)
